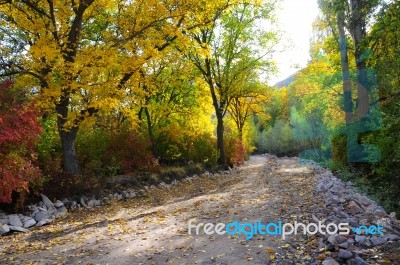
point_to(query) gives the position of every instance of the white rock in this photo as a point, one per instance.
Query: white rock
(4, 229)
(14, 220)
(330, 262)
(61, 214)
(18, 229)
(30, 222)
(39, 216)
(91, 203)
(44, 222)
(82, 201)
(47, 201)
(58, 204)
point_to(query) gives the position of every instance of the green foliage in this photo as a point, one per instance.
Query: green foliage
(277, 139)
(203, 149)
(48, 148)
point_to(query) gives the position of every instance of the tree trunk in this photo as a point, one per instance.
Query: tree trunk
(358, 30)
(68, 137)
(348, 104)
(220, 139)
(151, 134)
(70, 159)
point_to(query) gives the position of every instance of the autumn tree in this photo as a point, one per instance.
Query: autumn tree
(80, 57)
(249, 101)
(232, 48)
(169, 97)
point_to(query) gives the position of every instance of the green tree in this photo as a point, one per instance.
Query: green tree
(233, 49)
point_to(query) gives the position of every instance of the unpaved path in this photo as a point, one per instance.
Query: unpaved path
(154, 230)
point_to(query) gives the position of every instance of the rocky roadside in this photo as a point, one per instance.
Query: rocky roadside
(343, 204)
(267, 188)
(46, 211)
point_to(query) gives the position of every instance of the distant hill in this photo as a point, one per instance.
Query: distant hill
(286, 82)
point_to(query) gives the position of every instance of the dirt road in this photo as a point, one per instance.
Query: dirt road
(154, 230)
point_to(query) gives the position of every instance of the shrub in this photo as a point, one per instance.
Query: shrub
(130, 152)
(19, 130)
(203, 149)
(235, 152)
(278, 140)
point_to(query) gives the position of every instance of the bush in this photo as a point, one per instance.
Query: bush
(278, 140)
(203, 150)
(19, 130)
(129, 152)
(235, 152)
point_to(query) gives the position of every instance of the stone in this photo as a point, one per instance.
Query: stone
(30, 222)
(384, 222)
(344, 254)
(337, 189)
(4, 229)
(42, 208)
(336, 239)
(360, 261)
(125, 195)
(391, 237)
(61, 214)
(393, 215)
(14, 220)
(132, 194)
(58, 204)
(74, 205)
(380, 213)
(90, 203)
(353, 208)
(332, 239)
(365, 201)
(39, 216)
(377, 240)
(360, 239)
(321, 187)
(44, 222)
(371, 208)
(3, 221)
(47, 202)
(18, 229)
(82, 201)
(340, 239)
(330, 262)
(344, 245)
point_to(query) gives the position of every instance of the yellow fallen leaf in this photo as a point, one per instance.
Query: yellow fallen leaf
(270, 251)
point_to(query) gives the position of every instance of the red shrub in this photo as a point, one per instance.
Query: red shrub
(235, 151)
(18, 132)
(131, 152)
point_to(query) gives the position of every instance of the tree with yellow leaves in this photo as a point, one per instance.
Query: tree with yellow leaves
(83, 56)
(232, 49)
